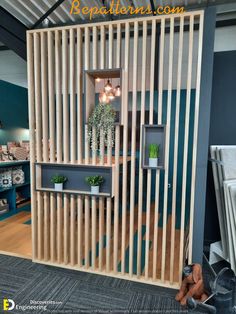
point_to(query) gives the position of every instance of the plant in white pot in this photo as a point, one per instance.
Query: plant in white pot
(58, 181)
(95, 183)
(153, 155)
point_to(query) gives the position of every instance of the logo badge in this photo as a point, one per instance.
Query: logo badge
(8, 304)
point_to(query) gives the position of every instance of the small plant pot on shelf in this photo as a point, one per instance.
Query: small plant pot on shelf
(95, 189)
(153, 162)
(58, 187)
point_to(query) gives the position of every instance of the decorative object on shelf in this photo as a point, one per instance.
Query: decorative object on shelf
(19, 153)
(18, 175)
(153, 155)
(101, 123)
(4, 207)
(6, 178)
(6, 156)
(94, 182)
(58, 181)
(192, 285)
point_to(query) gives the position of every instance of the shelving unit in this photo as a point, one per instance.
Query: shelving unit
(153, 134)
(10, 193)
(76, 174)
(90, 87)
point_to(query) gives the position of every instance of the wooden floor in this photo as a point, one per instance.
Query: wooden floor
(15, 236)
(15, 239)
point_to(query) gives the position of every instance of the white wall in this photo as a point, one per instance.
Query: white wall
(13, 68)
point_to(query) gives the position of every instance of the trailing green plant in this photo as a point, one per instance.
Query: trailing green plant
(58, 179)
(94, 180)
(153, 151)
(101, 125)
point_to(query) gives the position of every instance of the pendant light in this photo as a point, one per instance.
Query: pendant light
(108, 86)
(110, 95)
(117, 91)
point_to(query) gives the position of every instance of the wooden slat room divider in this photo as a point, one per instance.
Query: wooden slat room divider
(139, 232)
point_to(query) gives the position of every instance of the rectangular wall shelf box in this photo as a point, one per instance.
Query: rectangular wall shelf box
(153, 134)
(90, 77)
(76, 174)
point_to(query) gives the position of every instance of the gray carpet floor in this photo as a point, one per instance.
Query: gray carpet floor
(78, 292)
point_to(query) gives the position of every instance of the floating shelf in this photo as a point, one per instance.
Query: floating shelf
(76, 174)
(90, 88)
(153, 134)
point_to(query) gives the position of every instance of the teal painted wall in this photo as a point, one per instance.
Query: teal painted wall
(13, 113)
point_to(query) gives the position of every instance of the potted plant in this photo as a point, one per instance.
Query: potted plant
(94, 182)
(58, 181)
(153, 155)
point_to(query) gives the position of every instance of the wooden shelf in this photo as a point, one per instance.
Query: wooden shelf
(76, 174)
(73, 192)
(153, 134)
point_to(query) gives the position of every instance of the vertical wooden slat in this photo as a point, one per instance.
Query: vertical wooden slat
(142, 121)
(167, 149)
(101, 148)
(79, 141)
(101, 208)
(186, 137)
(38, 114)
(133, 147)
(125, 144)
(195, 135)
(160, 97)
(176, 140)
(117, 166)
(51, 98)
(87, 200)
(66, 152)
(31, 91)
(109, 162)
(149, 171)
(73, 141)
(94, 202)
(44, 85)
(58, 141)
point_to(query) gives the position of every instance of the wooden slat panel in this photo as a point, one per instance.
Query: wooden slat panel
(117, 167)
(176, 141)
(149, 172)
(31, 90)
(167, 148)
(79, 140)
(73, 141)
(186, 137)
(142, 121)
(87, 199)
(125, 145)
(38, 114)
(160, 105)
(133, 147)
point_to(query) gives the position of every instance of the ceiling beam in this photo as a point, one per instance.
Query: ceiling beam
(13, 33)
(46, 14)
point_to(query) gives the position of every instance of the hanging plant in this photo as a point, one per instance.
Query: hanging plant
(101, 124)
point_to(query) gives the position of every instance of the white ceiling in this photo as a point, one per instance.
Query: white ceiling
(30, 11)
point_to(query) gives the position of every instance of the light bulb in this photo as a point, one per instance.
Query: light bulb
(108, 87)
(98, 79)
(110, 95)
(117, 91)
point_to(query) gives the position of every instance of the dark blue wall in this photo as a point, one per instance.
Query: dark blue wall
(222, 128)
(13, 112)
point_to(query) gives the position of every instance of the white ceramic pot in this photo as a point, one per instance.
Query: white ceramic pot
(153, 162)
(58, 187)
(95, 189)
